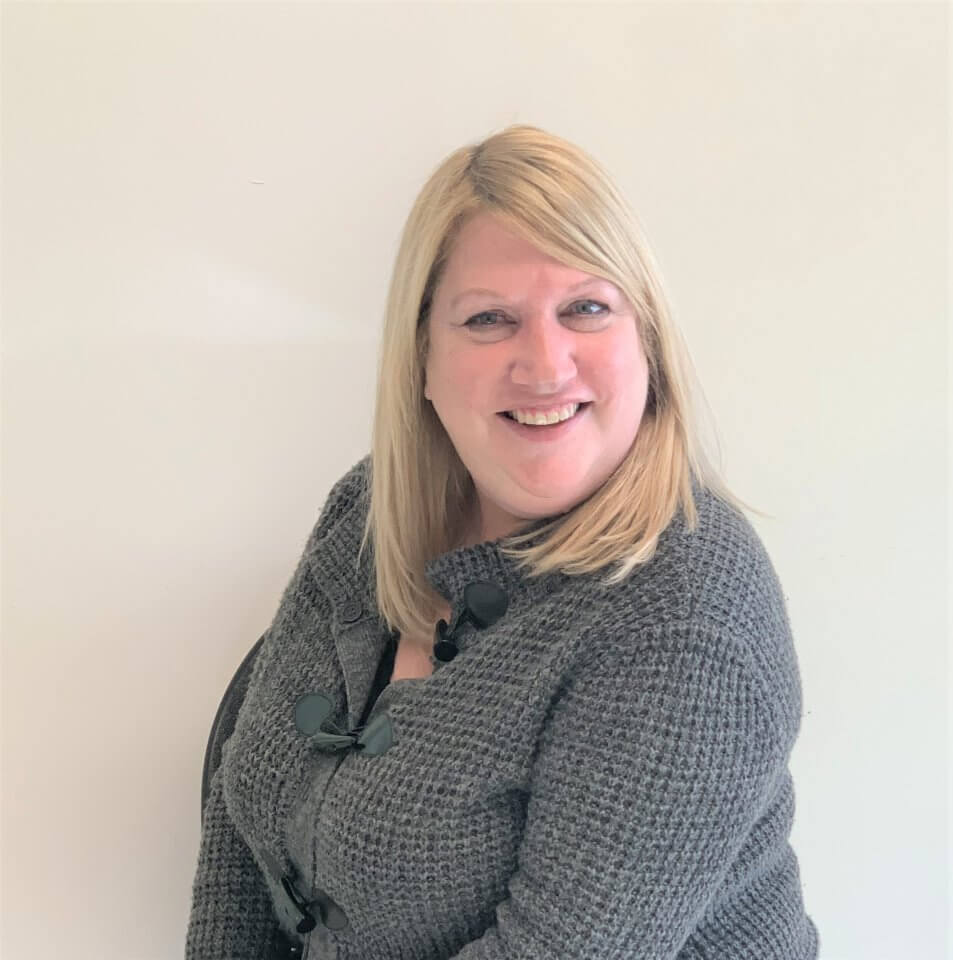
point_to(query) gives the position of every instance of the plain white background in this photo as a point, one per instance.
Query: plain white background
(200, 209)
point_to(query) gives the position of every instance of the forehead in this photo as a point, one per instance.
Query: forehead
(485, 247)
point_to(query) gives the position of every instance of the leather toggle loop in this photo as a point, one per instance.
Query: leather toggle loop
(332, 916)
(333, 741)
(311, 719)
(377, 737)
(307, 921)
(311, 714)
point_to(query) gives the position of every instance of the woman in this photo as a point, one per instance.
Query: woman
(587, 757)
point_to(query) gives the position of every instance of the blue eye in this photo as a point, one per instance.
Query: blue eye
(603, 309)
(479, 316)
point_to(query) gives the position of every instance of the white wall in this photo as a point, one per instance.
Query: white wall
(201, 205)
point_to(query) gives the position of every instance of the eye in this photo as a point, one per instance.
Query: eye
(474, 321)
(602, 308)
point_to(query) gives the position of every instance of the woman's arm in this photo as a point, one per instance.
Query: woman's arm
(658, 758)
(232, 914)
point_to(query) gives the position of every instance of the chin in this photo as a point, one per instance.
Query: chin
(541, 507)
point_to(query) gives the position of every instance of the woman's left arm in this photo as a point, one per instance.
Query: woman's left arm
(658, 757)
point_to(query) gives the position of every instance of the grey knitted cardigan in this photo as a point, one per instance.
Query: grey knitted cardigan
(601, 774)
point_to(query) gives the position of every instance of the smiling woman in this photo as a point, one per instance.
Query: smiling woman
(539, 356)
(586, 755)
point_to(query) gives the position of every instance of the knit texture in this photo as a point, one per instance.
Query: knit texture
(601, 774)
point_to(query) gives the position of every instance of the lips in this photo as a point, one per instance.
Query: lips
(552, 405)
(583, 404)
(548, 434)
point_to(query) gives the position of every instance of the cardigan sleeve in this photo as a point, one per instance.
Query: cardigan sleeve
(232, 917)
(657, 758)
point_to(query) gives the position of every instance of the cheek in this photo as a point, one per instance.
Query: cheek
(439, 375)
(458, 379)
(618, 369)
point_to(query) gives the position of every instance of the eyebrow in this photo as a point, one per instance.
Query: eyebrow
(493, 293)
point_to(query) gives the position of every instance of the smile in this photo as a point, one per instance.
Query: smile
(542, 429)
(543, 417)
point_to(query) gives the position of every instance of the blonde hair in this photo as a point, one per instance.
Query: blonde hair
(557, 197)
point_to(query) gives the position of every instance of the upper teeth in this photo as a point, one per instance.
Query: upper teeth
(541, 417)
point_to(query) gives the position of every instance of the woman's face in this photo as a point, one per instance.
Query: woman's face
(537, 336)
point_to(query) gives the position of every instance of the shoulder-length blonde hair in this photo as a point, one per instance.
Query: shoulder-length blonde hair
(562, 201)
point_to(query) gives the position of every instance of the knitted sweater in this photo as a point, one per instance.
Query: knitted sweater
(602, 774)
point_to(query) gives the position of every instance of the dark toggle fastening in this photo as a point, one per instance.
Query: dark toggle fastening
(484, 603)
(377, 737)
(307, 921)
(312, 712)
(332, 916)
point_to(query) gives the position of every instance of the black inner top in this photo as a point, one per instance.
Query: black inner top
(384, 670)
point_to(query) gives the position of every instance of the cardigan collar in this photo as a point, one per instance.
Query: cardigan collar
(358, 630)
(342, 574)
(450, 572)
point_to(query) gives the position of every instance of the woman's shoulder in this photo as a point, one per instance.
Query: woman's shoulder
(730, 576)
(347, 496)
(717, 570)
(711, 592)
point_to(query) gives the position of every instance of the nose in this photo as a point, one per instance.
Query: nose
(544, 356)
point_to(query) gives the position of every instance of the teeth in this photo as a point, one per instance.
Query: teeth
(541, 418)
